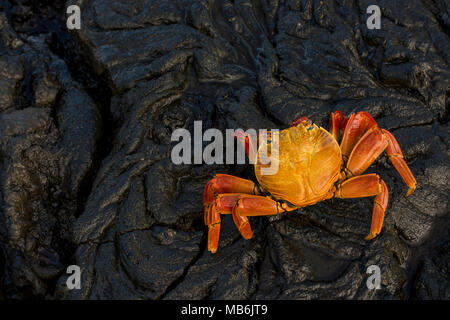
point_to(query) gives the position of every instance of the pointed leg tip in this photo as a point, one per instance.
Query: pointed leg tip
(246, 231)
(247, 236)
(213, 237)
(212, 250)
(410, 191)
(370, 236)
(211, 247)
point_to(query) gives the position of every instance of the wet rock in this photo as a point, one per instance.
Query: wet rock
(432, 280)
(49, 133)
(86, 120)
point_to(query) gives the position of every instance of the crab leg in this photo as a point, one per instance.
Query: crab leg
(240, 206)
(368, 148)
(355, 128)
(228, 203)
(251, 205)
(225, 183)
(359, 187)
(379, 208)
(223, 204)
(212, 220)
(396, 156)
(222, 184)
(366, 186)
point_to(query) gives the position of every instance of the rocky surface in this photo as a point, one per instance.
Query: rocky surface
(86, 118)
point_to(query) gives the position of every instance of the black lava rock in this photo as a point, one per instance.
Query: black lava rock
(86, 118)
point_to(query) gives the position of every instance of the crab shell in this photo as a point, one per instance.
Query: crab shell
(308, 160)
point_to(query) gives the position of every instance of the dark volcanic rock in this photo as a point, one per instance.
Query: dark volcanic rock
(85, 146)
(49, 133)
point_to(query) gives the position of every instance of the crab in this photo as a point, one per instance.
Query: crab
(312, 167)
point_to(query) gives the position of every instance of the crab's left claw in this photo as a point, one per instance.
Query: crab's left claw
(247, 142)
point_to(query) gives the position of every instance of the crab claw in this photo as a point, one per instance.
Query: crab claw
(299, 120)
(246, 142)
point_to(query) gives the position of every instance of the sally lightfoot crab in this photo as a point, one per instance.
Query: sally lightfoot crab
(312, 167)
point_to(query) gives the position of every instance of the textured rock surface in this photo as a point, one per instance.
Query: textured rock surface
(86, 119)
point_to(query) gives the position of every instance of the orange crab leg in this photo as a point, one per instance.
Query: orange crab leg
(359, 187)
(225, 183)
(223, 204)
(379, 208)
(356, 126)
(338, 122)
(212, 220)
(396, 156)
(226, 204)
(366, 186)
(252, 205)
(240, 206)
(222, 184)
(368, 148)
